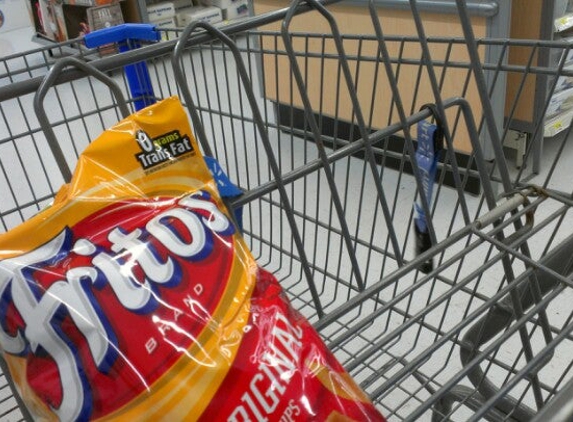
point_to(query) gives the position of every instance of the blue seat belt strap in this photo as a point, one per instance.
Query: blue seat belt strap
(430, 144)
(227, 189)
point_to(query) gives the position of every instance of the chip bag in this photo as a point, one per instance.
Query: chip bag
(133, 297)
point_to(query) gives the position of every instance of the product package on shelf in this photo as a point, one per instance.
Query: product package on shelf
(165, 25)
(104, 16)
(237, 11)
(181, 5)
(134, 297)
(209, 14)
(61, 21)
(564, 23)
(81, 20)
(160, 11)
(559, 102)
(230, 9)
(221, 4)
(564, 81)
(558, 123)
(90, 3)
(50, 20)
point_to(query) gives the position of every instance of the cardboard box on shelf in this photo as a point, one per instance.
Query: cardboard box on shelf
(160, 11)
(560, 102)
(104, 16)
(231, 9)
(557, 124)
(199, 13)
(165, 25)
(221, 4)
(239, 9)
(91, 3)
(76, 18)
(564, 82)
(182, 4)
(50, 20)
(564, 23)
(81, 20)
(558, 55)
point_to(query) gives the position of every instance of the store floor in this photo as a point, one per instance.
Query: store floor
(17, 41)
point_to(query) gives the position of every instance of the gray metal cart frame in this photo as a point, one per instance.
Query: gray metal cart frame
(485, 335)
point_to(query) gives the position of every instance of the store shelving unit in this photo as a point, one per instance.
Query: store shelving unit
(560, 112)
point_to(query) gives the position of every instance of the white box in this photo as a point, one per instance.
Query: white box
(221, 4)
(564, 82)
(569, 57)
(15, 15)
(211, 15)
(239, 9)
(166, 24)
(558, 124)
(560, 102)
(181, 5)
(160, 11)
(564, 23)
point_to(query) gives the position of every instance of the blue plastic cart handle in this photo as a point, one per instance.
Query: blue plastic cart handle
(137, 74)
(121, 33)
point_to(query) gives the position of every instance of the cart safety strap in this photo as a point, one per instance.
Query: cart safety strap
(227, 189)
(430, 144)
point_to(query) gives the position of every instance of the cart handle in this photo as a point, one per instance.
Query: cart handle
(50, 80)
(128, 37)
(122, 33)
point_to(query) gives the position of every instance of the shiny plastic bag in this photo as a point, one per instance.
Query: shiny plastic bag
(134, 297)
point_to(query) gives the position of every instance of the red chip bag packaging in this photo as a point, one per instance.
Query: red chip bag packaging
(133, 297)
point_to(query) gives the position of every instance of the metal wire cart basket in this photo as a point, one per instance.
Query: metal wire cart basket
(319, 131)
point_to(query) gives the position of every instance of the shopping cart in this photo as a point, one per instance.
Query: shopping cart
(318, 131)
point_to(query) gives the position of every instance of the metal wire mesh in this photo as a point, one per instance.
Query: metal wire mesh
(487, 334)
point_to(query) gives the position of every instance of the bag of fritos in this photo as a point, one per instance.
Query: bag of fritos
(134, 297)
